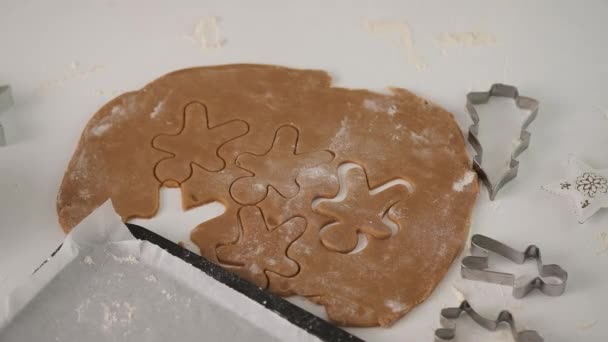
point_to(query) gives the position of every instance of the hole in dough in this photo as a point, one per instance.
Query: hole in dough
(361, 243)
(175, 224)
(390, 223)
(343, 169)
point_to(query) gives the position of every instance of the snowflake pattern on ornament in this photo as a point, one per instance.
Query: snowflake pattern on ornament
(586, 188)
(590, 184)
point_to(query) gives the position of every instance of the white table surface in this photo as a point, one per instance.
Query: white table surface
(65, 59)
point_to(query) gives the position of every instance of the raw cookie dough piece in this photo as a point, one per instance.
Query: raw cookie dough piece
(396, 136)
(114, 160)
(277, 168)
(260, 249)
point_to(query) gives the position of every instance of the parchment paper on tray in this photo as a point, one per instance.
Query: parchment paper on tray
(105, 285)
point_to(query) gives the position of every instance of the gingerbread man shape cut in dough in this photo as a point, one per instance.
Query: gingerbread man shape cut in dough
(362, 210)
(196, 131)
(278, 167)
(259, 249)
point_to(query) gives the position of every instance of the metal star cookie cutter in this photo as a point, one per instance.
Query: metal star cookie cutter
(6, 101)
(475, 267)
(450, 315)
(526, 103)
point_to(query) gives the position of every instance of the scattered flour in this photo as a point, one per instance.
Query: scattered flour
(88, 260)
(106, 123)
(442, 250)
(109, 317)
(129, 310)
(495, 205)
(343, 128)
(391, 110)
(157, 110)
(167, 294)
(100, 129)
(117, 114)
(255, 269)
(117, 110)
(305, 249)
(378, 107)
(258, 250)
(372, 105)
(395, 305)
(151, 278)
(207, 34)
(404, 39)
(341, 140)
(117, 313)
(122, 260)
(259, 187)
(418, 138)
(84, 194)
(79, 310)
(314, 172)
(467, 179)
(119, 276)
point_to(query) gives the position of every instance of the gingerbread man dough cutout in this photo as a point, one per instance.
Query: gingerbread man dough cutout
(362, 210)
(278, 168)
(197, 142)
(259, 249)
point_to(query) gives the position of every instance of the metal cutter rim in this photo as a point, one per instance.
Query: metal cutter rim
(526, 103)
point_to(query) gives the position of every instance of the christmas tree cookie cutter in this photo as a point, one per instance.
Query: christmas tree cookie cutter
(526, 103)
(475, 267)
(449, 316)
(6, 101)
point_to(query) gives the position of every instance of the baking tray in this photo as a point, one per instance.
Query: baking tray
(309, 324)
(294, 314)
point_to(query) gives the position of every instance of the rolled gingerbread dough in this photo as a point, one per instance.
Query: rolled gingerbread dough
(306, 172)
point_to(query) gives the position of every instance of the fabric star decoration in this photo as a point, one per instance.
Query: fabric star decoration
(586, 188)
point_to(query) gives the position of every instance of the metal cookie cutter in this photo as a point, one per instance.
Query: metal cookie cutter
(6, 101)
(475, 267)
(476, 98)
(450, 315)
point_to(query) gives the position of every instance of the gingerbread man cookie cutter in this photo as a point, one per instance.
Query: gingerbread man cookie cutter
(449, 316)
(525, 103)
(6, 101)
(475, 267)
